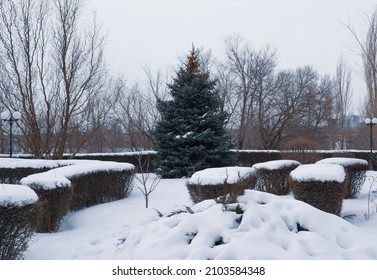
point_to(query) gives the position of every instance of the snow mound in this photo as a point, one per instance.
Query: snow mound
(217, 176)
(345, 162)
(323, 172)
(17, 195)
(276, 164)
(263, 226)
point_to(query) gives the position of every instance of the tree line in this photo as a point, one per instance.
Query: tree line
(53, 70)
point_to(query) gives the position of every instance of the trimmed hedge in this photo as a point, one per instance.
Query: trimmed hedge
(324, 193)
(326, 196)
(226, 190)
(16, 230)
(100, 187)
(53, 205)
(355, 173)
(14, 175)
(273, 176)
(76, 187)
(17, 220)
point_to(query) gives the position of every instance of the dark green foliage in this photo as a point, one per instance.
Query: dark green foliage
(274, 181)
(16, 230)
(326, 196)
(99, 187)
(14, 175)
(227, 193)
(53, 205)
(190, 134)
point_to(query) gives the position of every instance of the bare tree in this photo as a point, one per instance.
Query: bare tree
(146, 181)
(53, 70)
(342, 100)
(368, 50)
(251, 70)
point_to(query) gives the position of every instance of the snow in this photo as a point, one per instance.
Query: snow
(59, 177)
(272, 227)
(27, 163)
(217, 176)
(323, 172)
(275, 164)
(344, 161)
(17, 195)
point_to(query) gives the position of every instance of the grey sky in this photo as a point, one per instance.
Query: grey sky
(157, 32)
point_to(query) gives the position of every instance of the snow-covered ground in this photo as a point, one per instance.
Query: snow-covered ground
(263, 227)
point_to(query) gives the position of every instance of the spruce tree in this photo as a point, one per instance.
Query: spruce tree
(190, 134)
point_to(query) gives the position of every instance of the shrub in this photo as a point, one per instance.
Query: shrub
(225, 182)
(99, 187)
(303, 150)
(355, 173)
(53, 205)
(251, 157)
(77, 186)
(272, 176)
(17, 214)
(14, 169)
(320, 185)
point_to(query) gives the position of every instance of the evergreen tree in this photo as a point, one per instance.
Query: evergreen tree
(190, 134)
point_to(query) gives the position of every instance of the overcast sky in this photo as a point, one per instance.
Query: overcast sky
(158, 32)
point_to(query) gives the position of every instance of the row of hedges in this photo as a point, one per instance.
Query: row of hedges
(76, 187)
(245, 157)
(281, 176)
(44, 198)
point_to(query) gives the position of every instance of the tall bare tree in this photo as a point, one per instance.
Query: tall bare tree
(52, 69)
(367, 45)
(249, 67)
(343, 99)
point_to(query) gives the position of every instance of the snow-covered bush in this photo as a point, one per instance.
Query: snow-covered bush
(320, 185)
(355, 173)
(76, 186)
(100, 186)
(212, 183)
(17, 214)
(12, 170)
(273, 176)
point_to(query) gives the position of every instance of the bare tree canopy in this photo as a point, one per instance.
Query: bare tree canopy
(52, 70)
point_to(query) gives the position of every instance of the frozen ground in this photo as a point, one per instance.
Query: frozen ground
(267, 227)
